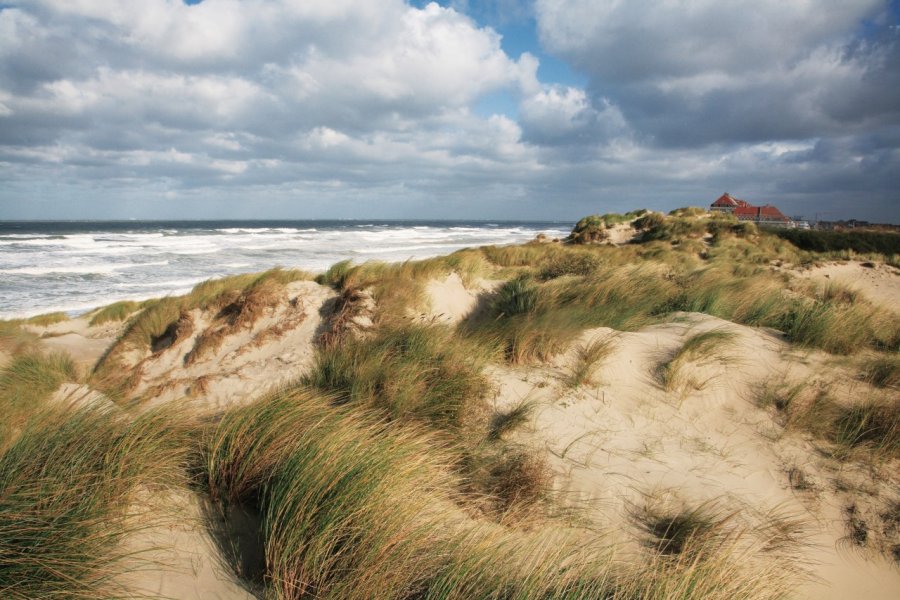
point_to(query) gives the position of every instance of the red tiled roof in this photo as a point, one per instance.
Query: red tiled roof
(768, 211)
(726, 200)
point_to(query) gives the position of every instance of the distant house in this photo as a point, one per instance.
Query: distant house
(766, 215)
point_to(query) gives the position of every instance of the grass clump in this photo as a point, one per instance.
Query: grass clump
(530, 321)
(873, 424)
(699, 347)
(26, 382)
(336, 275)
(838, 327)
(398, 290)
(506, 421)
(587, 358)
(115, 312)
(883, 371)
(517, 479)
(237, 301)
(676, 530)
(414, 371)
(570, 263)
(15, 340)
(516, 297)
(66, 492)
(868, 428)
(47, 319)
(688, 211)
(346, 504)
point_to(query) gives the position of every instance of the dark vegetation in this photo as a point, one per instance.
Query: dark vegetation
(862, 242)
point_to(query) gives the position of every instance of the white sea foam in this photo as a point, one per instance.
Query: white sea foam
(54, 269)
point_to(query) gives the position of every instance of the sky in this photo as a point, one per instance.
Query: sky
(462, 109)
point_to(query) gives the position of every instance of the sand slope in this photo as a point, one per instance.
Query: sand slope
(275, 349)
(624, 441)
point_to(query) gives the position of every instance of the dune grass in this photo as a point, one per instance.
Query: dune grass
(398, 290)
(505, 421)
(882, 371)
(15, 340)
(674, 530)
(47, 319)
(117, 311)
(587, 358)
(866, 429)
(704, 346)
(67, 478)
(67, 486)
(530, 321)
(838, 327)
(410, 372)
(25, 383)
(355, 508)
(516, 297)
(872, 424)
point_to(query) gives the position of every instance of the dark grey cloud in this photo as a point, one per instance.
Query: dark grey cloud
(702, 72)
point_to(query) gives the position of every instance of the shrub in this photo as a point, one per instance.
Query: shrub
(862, 242)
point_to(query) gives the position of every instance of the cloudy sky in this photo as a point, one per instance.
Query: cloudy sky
(540, 109)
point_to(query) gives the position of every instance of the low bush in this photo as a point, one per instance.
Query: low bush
(861, 242)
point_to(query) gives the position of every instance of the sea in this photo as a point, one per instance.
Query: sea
(75, 266)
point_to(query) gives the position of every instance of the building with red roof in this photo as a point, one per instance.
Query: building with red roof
(744, 211)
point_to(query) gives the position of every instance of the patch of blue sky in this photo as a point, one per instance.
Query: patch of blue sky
(884, 22)
(519, 34)
(522, 37)
(501, 102)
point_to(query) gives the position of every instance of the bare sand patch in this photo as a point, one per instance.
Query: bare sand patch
(174, 556)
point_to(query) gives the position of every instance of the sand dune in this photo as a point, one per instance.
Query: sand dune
(617, 442)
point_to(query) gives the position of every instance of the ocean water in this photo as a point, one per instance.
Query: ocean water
(77, 266)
